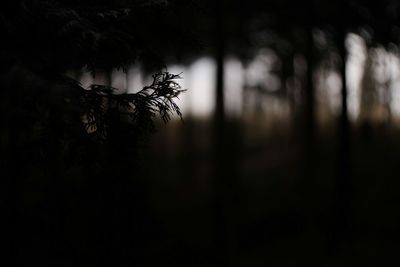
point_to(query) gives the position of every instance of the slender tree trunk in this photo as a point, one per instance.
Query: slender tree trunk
(224, 176)
(309, 98)
(310, 188)
(106, 188)
(342, 222)
(219, 127)
(343, 187)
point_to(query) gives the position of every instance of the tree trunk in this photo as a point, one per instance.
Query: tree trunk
(224, 174)
(342, 221)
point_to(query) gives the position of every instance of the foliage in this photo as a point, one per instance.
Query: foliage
(102, 105)
(98, 36)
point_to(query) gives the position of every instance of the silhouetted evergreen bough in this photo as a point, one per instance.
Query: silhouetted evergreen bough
(102, 105)
(49, 38)
(68, 154)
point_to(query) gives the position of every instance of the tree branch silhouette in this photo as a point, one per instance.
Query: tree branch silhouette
(139, 108)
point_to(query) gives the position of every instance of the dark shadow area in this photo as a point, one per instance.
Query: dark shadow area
(200, 132)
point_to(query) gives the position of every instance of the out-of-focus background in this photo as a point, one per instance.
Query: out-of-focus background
(288, 151)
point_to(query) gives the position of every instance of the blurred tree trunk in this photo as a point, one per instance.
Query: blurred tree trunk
(342, 222)
(224, 145)
(310, 188)
(309, 109)
(112, 205)
(288, 78)
(344, 183)
(219, 128)
(309, 93)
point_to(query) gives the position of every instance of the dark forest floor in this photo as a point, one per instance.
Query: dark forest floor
(275, 217)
